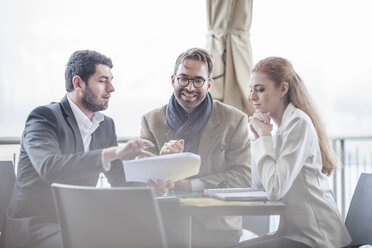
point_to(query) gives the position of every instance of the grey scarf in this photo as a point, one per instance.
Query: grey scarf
(189, 127)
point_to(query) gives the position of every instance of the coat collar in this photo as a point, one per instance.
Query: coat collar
(210, 132)
(70, 118)
(286, 115)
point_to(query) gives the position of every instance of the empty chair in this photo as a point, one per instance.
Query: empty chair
(109, 217)
(7, 179)
(359, 217)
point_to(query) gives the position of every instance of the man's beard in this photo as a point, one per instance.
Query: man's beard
(89, 101)
(186, 105)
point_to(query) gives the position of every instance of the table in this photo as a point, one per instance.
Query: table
(208, 206)
(211, 206)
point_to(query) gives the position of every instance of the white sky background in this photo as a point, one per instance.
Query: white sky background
(329, 43)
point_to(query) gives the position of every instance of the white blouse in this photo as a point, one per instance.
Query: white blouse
(289, 167)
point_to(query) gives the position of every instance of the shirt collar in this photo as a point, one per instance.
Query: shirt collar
(82, 120)
(286, 115)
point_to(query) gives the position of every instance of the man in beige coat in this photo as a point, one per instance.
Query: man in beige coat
(193, 122)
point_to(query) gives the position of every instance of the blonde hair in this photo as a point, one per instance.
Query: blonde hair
(281, 70)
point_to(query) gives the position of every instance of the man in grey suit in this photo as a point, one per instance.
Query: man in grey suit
(193, 122)
(68, 142)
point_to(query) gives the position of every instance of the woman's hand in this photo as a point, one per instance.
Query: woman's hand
(263, 117)
(260, 125)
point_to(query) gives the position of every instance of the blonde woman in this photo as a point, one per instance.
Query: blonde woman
(293, 165)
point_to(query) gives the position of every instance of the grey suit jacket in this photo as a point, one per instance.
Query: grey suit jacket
(52, 151)
(224, 149)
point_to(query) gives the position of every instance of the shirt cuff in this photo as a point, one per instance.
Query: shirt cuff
(197, 184)
(106, 167)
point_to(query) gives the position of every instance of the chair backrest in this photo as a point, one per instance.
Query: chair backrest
(7, 179)
(359, 216)
(108, 217)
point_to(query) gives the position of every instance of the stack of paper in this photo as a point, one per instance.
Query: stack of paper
(236, 194)
(166, 167)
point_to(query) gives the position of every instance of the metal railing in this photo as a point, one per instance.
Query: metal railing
(9, 150)
(9, 147)
(17, 140)
(355, 157)
(354, 153)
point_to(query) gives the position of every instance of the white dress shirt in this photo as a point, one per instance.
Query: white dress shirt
(87, 127)
(289, 167)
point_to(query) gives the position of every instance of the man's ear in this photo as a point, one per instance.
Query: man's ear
(210, 82)
(284, 87)
(173, 78)
(77, 82)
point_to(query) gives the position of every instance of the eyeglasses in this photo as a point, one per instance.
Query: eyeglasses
(197, 82)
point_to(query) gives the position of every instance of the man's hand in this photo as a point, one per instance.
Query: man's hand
(161, 187)
(172, 146)
(129, 151)
(183, 185)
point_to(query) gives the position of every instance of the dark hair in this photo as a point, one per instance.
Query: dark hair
(196, 54)
(83, 63)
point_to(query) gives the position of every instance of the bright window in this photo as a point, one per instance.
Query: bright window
(327, 41)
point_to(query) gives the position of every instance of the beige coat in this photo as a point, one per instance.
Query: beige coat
(224, 149)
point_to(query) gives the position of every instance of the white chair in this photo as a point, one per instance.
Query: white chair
(108, 217)
(359, 216)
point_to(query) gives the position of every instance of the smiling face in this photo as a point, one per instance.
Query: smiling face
(96, 92)
(190, 97)
(267, 96)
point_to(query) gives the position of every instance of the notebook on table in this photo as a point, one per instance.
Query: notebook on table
(236, 194)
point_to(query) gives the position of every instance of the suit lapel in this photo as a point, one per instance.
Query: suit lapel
(170, 134)
(101, 136)
(210, 134)
(71, 121)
